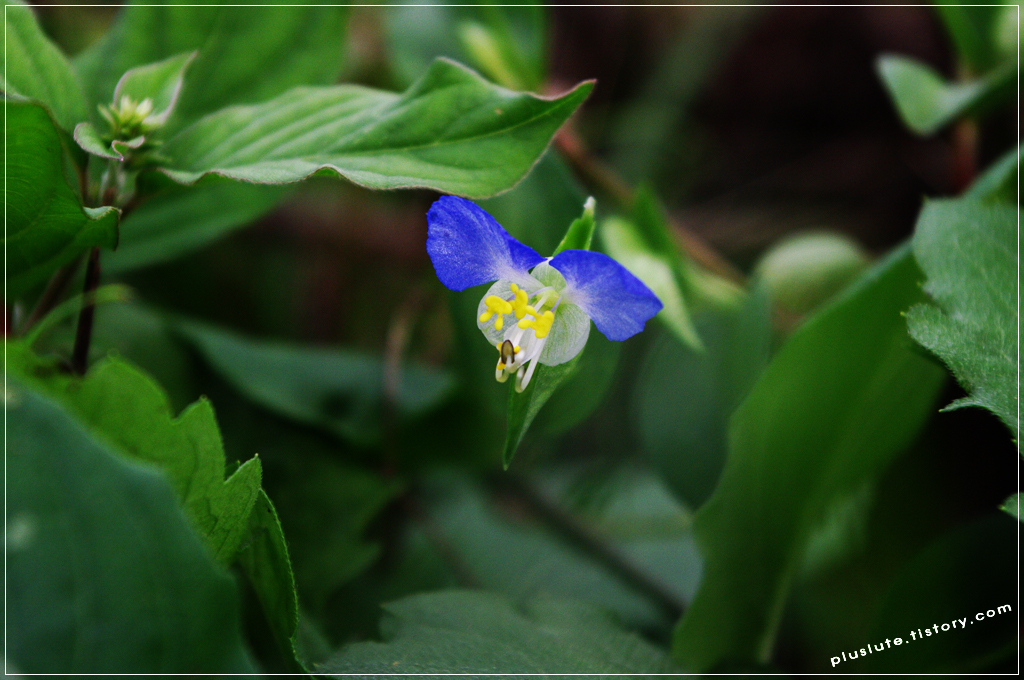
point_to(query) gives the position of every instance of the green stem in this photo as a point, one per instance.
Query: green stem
(83, 333)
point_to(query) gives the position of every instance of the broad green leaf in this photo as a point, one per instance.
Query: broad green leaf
(264, 557)
(478, 632)
(36, 68)
(342, 392)
(104, 574)
(451, 131)
(246, 54)
(998, 182)
(177, 220)
(843, 396)
(159, 82)
(643, 245)
(926, 102)
(683, 399)
(970, 254)
(126, 409)
(47, 227)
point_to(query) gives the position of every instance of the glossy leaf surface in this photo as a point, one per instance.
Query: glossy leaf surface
(451, 131)
(47, 227)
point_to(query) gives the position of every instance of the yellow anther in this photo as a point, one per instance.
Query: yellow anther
(542, 326)
(519, 305)
(540, 323)
(495, 305)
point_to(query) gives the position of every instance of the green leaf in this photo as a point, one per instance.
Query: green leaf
(970, 254)
(160, 82)
(451, 131)
(635, 517)
(178, 220)
(926, 102)
(47, 227)
(104, 574)
(999, 182)
(90, 140)
(130, 412)
(843, 396)
(340, 392)
(505, 43)
(683, 399)
(478, 632)
(581, 231)
(973, 29)
(644, 246)
(246, 54)
(1011, 506)
(36, 68)
(524, 406)
(264, 557)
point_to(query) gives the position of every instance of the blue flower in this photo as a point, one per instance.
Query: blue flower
(538, 309)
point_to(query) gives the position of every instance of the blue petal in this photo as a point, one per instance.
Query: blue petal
(618, 302)
(468, 247)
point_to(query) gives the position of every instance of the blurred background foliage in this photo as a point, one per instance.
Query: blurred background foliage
(754, 162)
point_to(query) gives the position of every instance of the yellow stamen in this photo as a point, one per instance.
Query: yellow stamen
(495, 305)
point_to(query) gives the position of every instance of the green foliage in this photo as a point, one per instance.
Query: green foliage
(975, 29)
(246, 54)
(264, 557)
(35, 68)
(472, 632)
(506, 43)
(524, 406)
(970, 254)
(433, 135)
(369, 398)
(342, 392)
(999, 182)
(104, 574)
(683, 398)
(926, 102)
(819, 422)
(644, 245)
(47, 227)
(130, 412)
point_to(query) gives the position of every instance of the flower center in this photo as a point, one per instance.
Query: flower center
(524, 342)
